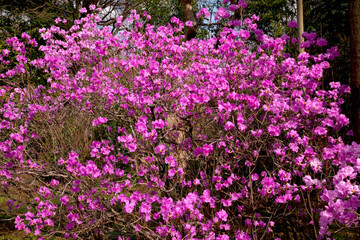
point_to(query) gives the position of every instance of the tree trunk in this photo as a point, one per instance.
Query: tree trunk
(237, 13)
(189, 16)
(355, 65)
(300, 22)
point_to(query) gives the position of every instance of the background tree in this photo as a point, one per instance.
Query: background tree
(274, 14)
(330, 20)
(355, 64)
(161, 11)
(300, 21)
(189, 16)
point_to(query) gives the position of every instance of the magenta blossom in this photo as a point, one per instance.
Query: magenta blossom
(203, 12)
(99, 121)
(223, 13)
(292, 24)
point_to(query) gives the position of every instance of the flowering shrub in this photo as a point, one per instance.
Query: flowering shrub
(144, 134)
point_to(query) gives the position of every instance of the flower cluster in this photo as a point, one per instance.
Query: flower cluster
(145, 134)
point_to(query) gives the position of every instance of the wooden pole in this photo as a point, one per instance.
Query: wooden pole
(300, 22)
(355, 65)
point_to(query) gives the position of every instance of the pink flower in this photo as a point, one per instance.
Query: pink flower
(226, 203)
(158, 124)
(180, 171)
(174, 20)
(233, 7)
(54, 182)
(294, 147)
(99, 121)
(254, 177)
(244, 34)
(17, 137)
(207, 149)
(350, 133)
(57, 20)
(273, 130)
(171, 161)
(228, 126)
(222, 12)
(37, 231)
(196, 181)
(6, 52)
(321, 42)
(284, 176)
(49, 222)
(129, 142)
(333, 53)
(105, 151)
(292, 24)
(223, 237)
(129, 206)
(253, 101)
(189, 23)
(145, 208)
(140, 126)
(83, 10)
(64, 200)
(241, 235)
(315, 164)
(320, 131)
(283, 198)
(160, 149)
(222, 215)
(203, 12)
(137, 228)
(268, 182)
(171, 173)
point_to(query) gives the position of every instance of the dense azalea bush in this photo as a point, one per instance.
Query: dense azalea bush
(142, 134)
